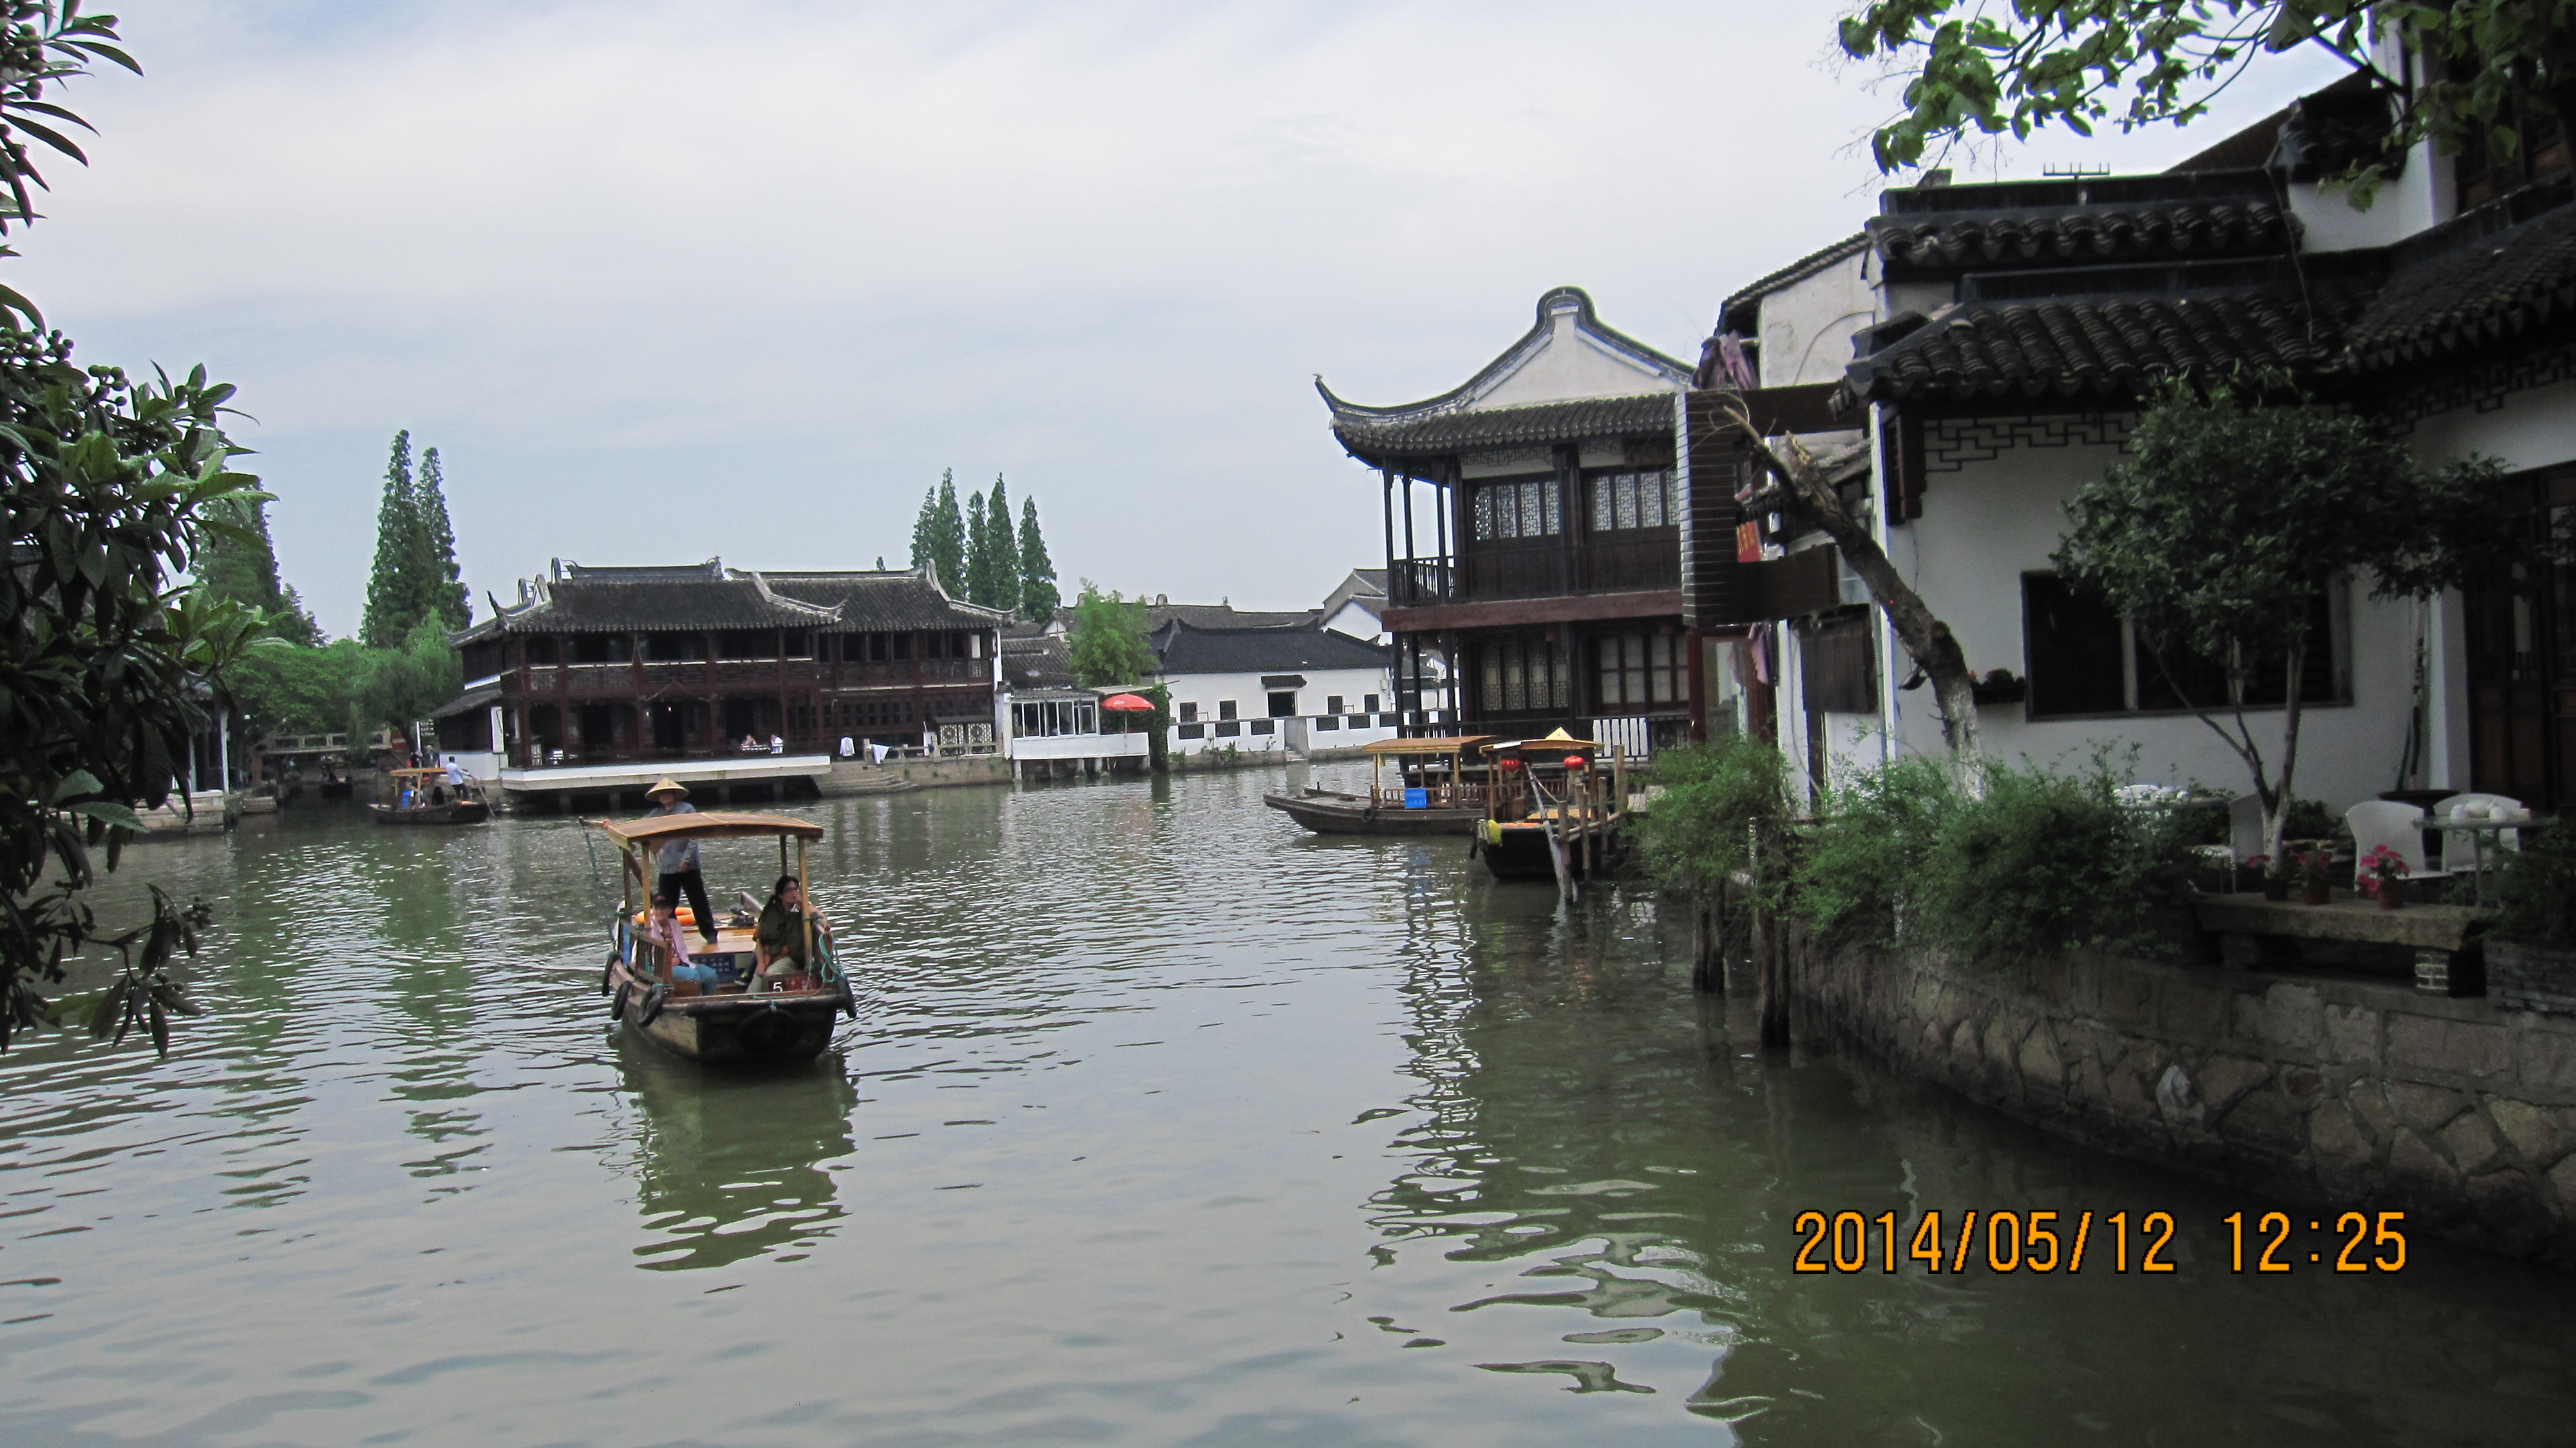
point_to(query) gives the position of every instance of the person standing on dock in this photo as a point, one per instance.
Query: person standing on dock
(677, 862)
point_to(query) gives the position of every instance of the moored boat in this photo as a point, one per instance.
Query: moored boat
(728, 1023)
(1554, 813)
(1437, 791)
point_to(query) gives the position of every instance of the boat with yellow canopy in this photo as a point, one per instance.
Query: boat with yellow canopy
(740, 1019)
(1557, 810)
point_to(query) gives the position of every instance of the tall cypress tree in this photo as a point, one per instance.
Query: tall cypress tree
(245, 571)
(391, 609)
(979, 552)
(925, 529)
(1038, 595)
(442, 581)
(950, 539)
(1003, 548)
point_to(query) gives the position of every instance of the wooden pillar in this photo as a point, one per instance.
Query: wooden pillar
(1409, 550)
(1386, 508)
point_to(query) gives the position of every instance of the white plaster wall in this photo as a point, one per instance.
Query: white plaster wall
(1807, 325)
(1353, 620)
(1252, 702)
(1569, 365)
(1982, 529)
(2532, 429)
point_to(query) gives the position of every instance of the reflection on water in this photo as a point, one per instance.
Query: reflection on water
(1161, 1123)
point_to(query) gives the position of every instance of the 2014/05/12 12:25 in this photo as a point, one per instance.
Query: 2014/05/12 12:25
(2381, 1233)
(2046, 1241)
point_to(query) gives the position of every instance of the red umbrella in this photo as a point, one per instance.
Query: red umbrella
(1128, 704)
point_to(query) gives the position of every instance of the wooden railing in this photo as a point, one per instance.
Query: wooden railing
(1541, 569)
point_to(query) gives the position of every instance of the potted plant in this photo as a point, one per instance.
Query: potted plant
(2381, 875)
(2531, 949)
(2274, 875)
(2308, 871)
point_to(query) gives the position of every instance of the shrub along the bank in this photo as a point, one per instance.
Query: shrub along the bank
(2035, 861)
(1719, 816)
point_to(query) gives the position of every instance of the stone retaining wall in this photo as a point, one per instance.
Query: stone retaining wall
(2340, 1093)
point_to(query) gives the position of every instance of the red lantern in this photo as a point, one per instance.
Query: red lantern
(1509, 765)
(1574, 761)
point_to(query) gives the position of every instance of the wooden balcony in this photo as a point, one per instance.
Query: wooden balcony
(1543, 569)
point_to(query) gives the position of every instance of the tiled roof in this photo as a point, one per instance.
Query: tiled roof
(2171, 231)
(906, 599)
(586, 605)
(1543, 423)
(1036, 661)
(613, 600)
(1803, 268)
(1187, 650)
(2106, 347)
(2482, 291)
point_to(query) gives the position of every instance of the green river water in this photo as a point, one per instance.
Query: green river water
(1162, 1122)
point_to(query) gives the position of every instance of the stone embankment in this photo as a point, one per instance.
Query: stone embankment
(2339, 1093)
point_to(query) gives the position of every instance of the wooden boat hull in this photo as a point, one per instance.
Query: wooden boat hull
(728, 1029)
(1518, 851)
(455, 812)
(1351, 814)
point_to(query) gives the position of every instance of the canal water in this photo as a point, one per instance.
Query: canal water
(1161, 1123)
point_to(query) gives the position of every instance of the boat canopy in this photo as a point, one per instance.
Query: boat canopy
(1559, 741)
(1458, 745)
(706, 825)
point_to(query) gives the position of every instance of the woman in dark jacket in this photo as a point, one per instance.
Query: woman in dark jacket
(779, 941)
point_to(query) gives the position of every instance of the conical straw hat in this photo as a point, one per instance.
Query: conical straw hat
(669, 785)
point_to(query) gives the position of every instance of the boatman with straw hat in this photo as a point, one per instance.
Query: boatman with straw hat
(677, 862)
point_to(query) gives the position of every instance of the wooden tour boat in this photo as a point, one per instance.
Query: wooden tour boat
(729, 1024)
(1433, 793)
(412, 806)
(1555, 811)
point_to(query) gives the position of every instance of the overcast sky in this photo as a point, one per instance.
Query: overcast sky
(666, 280)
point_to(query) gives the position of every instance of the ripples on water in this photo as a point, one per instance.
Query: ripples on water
(1161, 1123)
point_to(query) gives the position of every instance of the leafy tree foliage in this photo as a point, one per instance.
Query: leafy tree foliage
(2240, 504)
(2037, 63)
(304, 689)
(404, 684)
(1106, 642)
(242, 567)
(1038, 596)
(113, 488)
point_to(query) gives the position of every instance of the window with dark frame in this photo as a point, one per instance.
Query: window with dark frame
(1225, 709)
(1522, 508)
(2082, 658)
(1626, 501)
(1282, 703)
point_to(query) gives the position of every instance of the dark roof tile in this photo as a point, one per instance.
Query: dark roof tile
(2107, 348)
(1184, 649)
(1537, 425)
(906, 599)
(2486, 290)
(2176, 231)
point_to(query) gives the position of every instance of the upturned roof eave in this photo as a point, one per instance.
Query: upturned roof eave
(1459, 398)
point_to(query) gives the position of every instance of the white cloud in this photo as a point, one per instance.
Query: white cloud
(671, 279)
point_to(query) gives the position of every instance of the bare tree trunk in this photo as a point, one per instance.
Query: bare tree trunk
(1922, 633)
(2279, 798)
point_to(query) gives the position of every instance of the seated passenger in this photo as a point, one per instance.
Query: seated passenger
(662, 932)
(779, 942)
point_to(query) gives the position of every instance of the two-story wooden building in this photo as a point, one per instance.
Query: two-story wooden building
(597, 673)
(1532, 521)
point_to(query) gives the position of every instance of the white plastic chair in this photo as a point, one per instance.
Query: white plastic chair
(2400, 827)
(2245, 825)
(2459, 852)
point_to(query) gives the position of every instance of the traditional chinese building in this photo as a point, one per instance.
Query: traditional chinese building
(599, 679)
(1533, 541)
